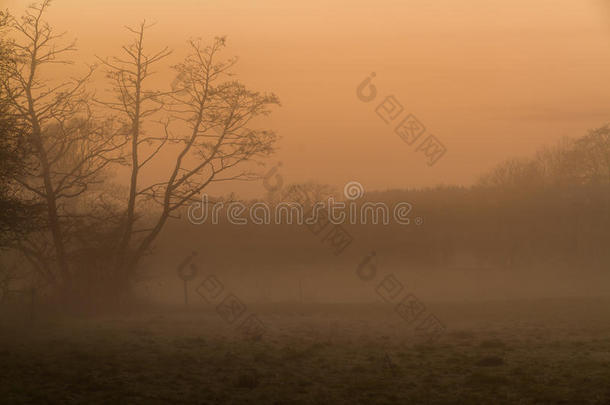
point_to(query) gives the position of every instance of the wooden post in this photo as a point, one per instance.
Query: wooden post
(32, 303)
(300, 290)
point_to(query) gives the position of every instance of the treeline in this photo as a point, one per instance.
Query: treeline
(551, 210)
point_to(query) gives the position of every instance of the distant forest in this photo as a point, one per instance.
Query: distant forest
(549, 210)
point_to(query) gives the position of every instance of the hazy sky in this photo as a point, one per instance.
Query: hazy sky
(491, 79)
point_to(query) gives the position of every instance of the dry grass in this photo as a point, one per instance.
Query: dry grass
(538, 352)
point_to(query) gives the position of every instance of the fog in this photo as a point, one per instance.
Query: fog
(304, 202)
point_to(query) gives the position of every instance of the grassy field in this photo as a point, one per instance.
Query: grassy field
(528, 352)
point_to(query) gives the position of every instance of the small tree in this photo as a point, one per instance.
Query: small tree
(593, 155)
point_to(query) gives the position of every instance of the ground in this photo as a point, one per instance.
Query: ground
(527, 352)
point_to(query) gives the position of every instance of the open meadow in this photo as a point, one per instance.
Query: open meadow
(528, 352)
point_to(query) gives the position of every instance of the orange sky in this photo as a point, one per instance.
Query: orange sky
(491, 79)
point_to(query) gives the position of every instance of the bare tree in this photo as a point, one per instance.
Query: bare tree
(68, 147)
(203, 120)
(17, 215)
(129, 75)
